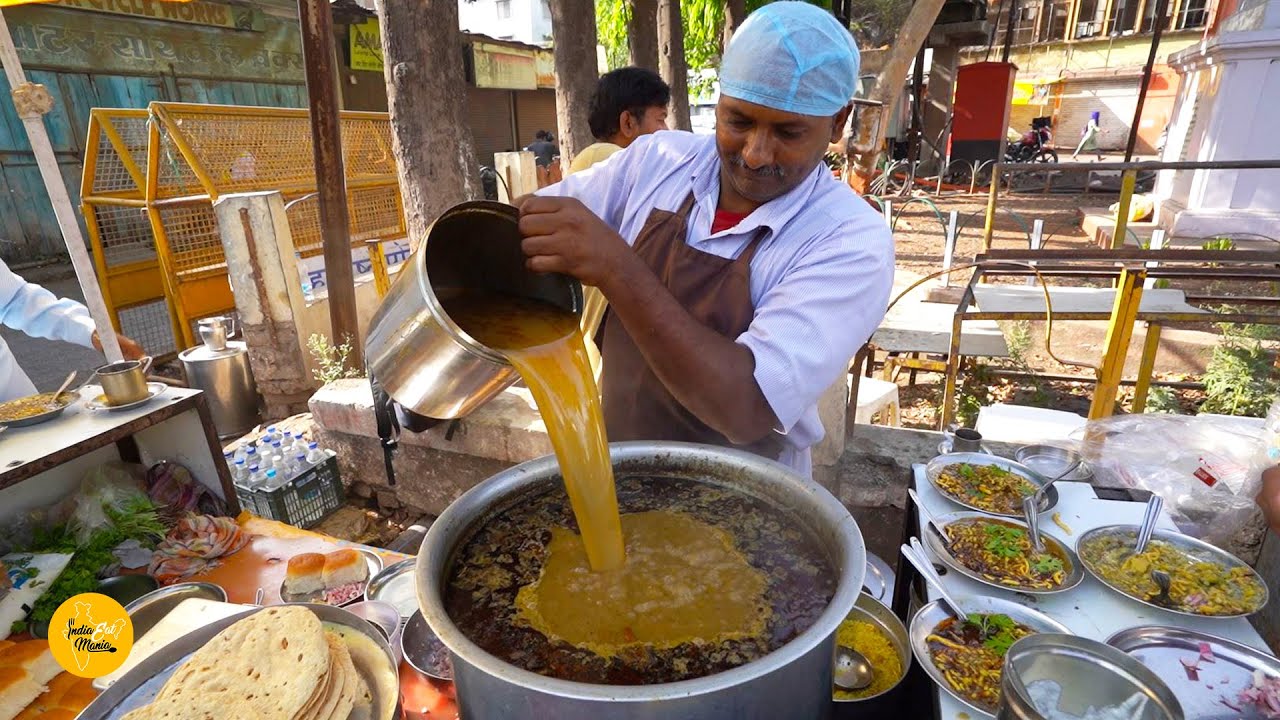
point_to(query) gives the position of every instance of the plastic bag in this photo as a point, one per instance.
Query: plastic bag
(109, 485)
(1207, 469)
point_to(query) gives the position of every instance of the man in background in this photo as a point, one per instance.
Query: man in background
(628, 102)
(543, 148)
(39, 313)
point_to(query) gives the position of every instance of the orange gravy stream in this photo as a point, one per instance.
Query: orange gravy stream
(545, 344)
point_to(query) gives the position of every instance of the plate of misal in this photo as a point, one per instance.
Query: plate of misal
(1204, 580)
(988, 483)
(998, 552)
(35, 409)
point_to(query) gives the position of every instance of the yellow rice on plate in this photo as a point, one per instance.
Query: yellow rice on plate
(876, 647)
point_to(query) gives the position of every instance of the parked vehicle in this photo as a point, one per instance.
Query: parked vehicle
(1034, 144)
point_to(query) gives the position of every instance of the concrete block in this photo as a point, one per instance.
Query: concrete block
(832, 407)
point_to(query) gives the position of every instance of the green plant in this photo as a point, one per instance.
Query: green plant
(332, 362)
(1162, 400)
(1019, 341)
(1240, 378)
(1219, 243)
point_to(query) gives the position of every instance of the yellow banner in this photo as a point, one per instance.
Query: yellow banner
(366, 46)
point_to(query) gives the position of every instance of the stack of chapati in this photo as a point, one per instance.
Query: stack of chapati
(277, 664)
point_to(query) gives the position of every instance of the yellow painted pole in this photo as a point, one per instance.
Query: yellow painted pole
(989, 225)
(1119, 333)
(1146, 367)
(1127, 182)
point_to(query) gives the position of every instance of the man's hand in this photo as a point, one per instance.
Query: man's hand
(1269, 498)
(130, 349)
(562, 235)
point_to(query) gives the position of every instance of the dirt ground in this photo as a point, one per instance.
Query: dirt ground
(919, 237)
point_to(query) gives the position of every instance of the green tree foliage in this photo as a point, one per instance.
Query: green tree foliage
(703, 23)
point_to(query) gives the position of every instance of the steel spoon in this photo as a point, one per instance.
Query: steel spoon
(61, 389)
(928, 518)
(1032, 516)
(853, 671)
(1164, 582)
(1039, 493)
(925, 568)
(1154, 505)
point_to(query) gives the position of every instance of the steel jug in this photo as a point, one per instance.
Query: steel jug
(415, 352)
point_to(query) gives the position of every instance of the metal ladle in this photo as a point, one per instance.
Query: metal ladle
(53, 404)
(853, 671)
(1154, 505)
(1032, 516)
(1164, 583)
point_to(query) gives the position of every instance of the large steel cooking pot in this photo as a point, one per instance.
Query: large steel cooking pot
(420, 357)
(791, 682)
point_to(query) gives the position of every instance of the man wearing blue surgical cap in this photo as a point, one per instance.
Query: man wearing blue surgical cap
(741, 276)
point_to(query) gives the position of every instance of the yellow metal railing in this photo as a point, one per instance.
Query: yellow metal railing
(151, 178)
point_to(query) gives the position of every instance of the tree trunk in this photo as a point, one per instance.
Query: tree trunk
(735, 11)
(573, 25)
(426, 94)
(909, 40)
(642, 33)
(671, 62)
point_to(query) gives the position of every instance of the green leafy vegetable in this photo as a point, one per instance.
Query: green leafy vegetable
(967, 471)
(1003, 541)
(1046, 564)
(996, 631)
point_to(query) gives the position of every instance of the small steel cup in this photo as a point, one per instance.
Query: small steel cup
(124, 382)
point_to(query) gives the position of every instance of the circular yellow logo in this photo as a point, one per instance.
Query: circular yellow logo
(90, 635)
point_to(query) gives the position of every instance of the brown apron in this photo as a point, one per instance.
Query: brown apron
(717, 292)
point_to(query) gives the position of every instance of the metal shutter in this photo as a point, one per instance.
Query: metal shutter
(535, 110)
(490, 116)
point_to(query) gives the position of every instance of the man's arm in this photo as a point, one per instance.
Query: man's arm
(37, 312)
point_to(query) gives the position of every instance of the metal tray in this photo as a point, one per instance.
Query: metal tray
(140, 685)
(371, 559)
(70, 399)
(930, 615)
(934, 543)
(1162, 649)
(936, 465)
(1182, 542)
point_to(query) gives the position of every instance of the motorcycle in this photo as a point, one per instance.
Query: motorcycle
(1034, 144)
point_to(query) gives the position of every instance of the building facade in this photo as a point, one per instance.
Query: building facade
(524, 21)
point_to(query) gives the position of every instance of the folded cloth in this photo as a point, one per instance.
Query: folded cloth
(195, 544)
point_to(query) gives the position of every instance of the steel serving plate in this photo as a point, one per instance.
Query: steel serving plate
(871, 610)
(59, 404)
(140, 685)
(928, 617)
(1163, 650)
(1073, 578)
(371, 559)
(395, 586)
(935, 467)
(1186, 543)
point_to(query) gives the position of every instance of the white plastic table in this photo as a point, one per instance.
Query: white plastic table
(1090, 610)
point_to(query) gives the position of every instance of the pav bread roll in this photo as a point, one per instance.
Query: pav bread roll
(345, 566)
(305, 574)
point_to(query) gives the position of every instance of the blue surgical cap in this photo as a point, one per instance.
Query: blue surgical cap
(791, 56)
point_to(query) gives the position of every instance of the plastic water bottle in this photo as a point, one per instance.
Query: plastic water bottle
(315, 455)
(278, 455)
(299, 465)
(270, 480)
(251, 456)
(239, 472)
(255, 478)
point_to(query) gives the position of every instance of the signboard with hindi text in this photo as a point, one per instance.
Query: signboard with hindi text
(195, 12)
(53, 38)
(366, 45)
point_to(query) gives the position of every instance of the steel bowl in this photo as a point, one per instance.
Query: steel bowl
(1088, 674)
(793, 681)
(125, 589)
(928, 617)
(870, 610)
(394, 586)
(1185, 543)
(1053, 460)
(424, 651)
(935, 467)
(149, 609)
(1073, 577)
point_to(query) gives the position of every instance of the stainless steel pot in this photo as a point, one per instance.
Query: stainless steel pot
(1088, 674)
(227, 380)
(421, 358)
(791, 682)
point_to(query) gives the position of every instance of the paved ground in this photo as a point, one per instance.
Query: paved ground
(47, 362)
